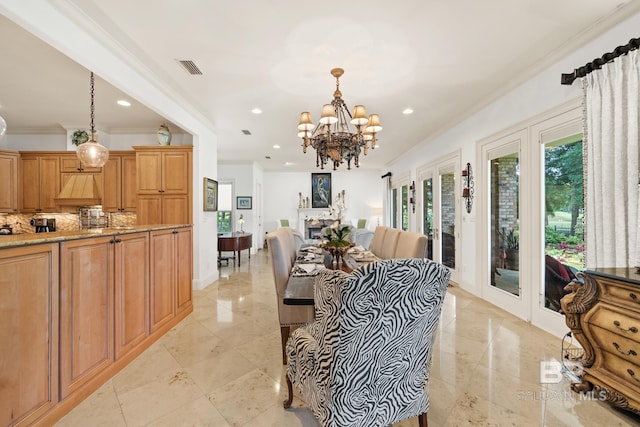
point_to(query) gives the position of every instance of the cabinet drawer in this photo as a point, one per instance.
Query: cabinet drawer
(620, 293)
(627, 372)
(617, 345)
(617, 321)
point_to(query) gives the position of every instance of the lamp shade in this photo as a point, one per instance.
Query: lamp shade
(328, 115)
(359, 115)
(374, 124)
(305, 121)
(92, 154)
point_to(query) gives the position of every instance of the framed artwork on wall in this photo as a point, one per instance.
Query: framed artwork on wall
(210, 195)
(243, 202)
(320, 190)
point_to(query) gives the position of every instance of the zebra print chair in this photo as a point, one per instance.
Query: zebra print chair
(365, 360)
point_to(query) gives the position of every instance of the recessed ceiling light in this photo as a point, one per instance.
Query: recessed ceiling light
(407, 111)
(124, 103)
(276, 146)
(289, 163)
(256, 111)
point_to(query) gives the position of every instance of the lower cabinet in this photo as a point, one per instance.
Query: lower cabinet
(171, 274)
(131, 291)
(72, 314)
(29, 333)
(86, 310)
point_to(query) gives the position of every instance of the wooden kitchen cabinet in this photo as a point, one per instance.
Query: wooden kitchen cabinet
(603, 313)
(69, 163)
(119, 183)
(40, 177)
(171, 257)
(86, 310)
(164, 185)
(9, 163)
(131, 272)
(29, 333)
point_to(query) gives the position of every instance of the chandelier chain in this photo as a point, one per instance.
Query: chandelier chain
(93, 113)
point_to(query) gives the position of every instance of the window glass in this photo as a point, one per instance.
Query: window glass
(225, 207)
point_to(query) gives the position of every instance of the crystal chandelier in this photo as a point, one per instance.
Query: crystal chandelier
(332, 137)
(91, 153)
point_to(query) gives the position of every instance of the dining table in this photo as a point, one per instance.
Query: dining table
(310, 260)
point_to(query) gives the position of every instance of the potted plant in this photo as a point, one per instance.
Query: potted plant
(79, 137)
(337, 243)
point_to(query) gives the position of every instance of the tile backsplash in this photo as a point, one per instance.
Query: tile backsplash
(64, 221)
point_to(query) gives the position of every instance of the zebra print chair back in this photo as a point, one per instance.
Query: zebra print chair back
(365, 359)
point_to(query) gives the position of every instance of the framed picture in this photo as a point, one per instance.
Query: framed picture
(243, 202)
(320, 190)
(210, 195)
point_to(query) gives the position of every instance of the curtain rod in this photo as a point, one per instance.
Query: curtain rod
(567, 79)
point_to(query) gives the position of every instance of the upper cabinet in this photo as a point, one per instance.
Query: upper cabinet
(163, 170)
(9, 162)
(40, 176)
(164, 184)
(69, 163)
(119, 183)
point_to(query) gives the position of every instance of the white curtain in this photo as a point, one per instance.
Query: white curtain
(612, 115)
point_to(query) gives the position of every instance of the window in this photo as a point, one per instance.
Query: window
(225, 207)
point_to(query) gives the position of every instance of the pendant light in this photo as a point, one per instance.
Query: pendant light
(91, 153)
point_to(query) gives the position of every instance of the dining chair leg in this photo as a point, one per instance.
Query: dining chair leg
(422, 419)
(287, 403)
(284, 334)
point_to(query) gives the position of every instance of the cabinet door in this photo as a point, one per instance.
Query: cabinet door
(29, 332)
(129, 192)
(162, 278)
(30, 177)
(175, 173)
(149, 172)
(9, 182)
(131, 291)
(86, 310)
(69, 163)
(175, 209)
(184, 266)
(112, 184)
(149, 210)
(49, 182)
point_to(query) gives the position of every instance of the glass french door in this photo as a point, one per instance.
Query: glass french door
(559, 227)
(439, 211)
(503, 267)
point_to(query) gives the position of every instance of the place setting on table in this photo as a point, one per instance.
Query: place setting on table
(312, 259)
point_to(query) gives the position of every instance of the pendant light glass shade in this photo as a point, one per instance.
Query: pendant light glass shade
(91, 153)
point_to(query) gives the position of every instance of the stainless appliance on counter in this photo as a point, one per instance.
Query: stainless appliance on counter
(92, 217)
(6, 229)
(45, 225)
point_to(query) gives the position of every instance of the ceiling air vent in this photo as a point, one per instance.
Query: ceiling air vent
(246, 132)
(190, 66)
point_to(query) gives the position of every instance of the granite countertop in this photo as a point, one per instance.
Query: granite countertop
(24, 239)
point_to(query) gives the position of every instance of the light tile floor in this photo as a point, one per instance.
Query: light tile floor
(222, 367)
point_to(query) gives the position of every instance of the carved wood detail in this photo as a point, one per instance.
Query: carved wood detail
(583, 296)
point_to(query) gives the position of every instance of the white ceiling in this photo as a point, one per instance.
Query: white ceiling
(442, 58)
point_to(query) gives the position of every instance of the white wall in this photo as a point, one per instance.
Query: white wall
(541, 93)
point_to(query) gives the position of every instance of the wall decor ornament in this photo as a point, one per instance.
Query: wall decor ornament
(244, 202)
(467, 187)
(320, 190)
(210, 202)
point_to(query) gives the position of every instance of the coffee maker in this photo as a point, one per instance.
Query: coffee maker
(45, 225)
